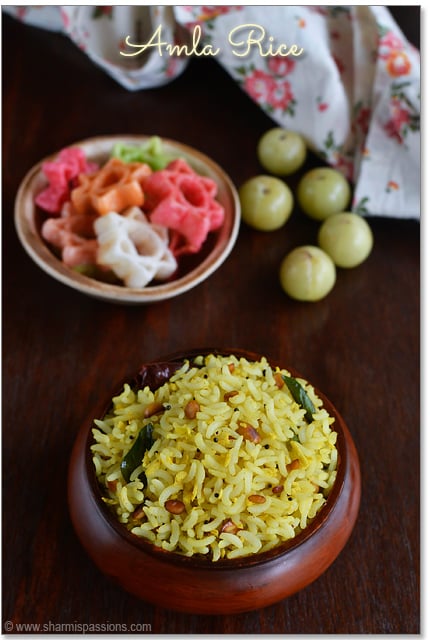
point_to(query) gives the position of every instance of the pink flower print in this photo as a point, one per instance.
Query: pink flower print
(321, 106)
(344, 165)
(99, 12)
(363, 119)
(81, 39)
(281, 96)
(211, 12)
(281, 66)
(388, 43)
(400, 117)
(400, 114)
(339, 64)
(171, 67)
(65, 18)
(21, 12)
(208, 13)
(260, 85)
(191, 25)
(392, 131)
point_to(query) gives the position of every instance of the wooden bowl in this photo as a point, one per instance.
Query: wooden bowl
(193, 269)
(195, 584)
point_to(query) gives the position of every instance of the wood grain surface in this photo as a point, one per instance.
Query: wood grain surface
(62, 350)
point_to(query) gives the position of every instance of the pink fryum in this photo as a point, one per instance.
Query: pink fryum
(61, 174)
(184, 202)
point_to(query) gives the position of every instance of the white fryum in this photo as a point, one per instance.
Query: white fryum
(136, 250)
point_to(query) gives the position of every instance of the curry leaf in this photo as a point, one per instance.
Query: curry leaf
(300, 396)
(134, 456)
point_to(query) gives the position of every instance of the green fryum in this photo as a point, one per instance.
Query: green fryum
(300, 396)
(150, 152)
(133, 458)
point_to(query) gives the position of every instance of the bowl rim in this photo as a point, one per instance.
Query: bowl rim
(201, 561)
(39, 251)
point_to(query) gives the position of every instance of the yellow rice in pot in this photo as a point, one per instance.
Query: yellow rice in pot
(234, 467)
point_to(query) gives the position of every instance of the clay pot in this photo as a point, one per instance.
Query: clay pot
(195, 584)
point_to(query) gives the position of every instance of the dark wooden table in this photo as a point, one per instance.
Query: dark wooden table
(61, 350)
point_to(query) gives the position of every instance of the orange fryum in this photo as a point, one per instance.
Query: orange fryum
(115, 187)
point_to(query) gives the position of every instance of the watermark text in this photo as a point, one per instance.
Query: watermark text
(75, 627)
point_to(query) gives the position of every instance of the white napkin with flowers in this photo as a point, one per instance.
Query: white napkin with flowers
(353, 92)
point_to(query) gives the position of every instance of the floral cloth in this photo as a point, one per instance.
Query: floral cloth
(351, 87)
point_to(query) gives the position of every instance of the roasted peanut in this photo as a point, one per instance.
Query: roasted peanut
(278, 489)
(278, 380)
(191, 409)
(174, 506)
(111, 485)
(230, 394)
(248, 432)
(152, 409)
(228, 526)
(295, 464)
(257, 499)
(231, 367)
(138, 513)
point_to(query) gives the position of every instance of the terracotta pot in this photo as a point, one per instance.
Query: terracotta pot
(195, 584)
